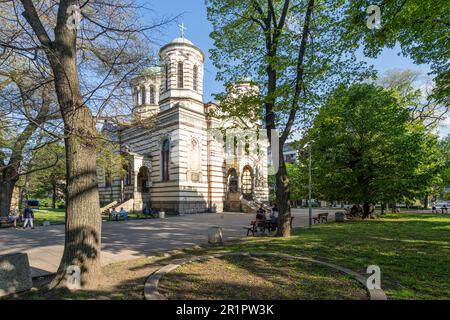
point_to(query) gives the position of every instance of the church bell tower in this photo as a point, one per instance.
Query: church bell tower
(181, 74)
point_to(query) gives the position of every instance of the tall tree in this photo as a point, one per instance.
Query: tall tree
(421, 28)
(366, 149)
(27, 102)
(91, 48)
(293, 50)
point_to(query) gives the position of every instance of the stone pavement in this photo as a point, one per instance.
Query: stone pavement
(132, 239)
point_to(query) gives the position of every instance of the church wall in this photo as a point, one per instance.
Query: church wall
(198, 163)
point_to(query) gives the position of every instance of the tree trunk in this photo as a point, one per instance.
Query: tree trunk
(83, 219)
(366, 209)
(283, 195)
(53, 194)
(425, 202)
(7, 182)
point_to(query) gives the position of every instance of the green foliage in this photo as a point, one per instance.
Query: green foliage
(366, 148)
(298, 176)
(109, 160)
(240, 51)
(422, 28)
(48, 168)
(444, 146)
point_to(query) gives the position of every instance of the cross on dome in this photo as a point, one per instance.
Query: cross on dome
(182, 29)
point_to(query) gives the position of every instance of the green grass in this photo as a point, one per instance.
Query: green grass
(412, 251)
(57, 216)
(260, 278)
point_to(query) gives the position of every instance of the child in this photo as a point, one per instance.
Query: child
(28, 215)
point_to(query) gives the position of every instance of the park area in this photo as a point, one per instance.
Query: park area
(410, 249)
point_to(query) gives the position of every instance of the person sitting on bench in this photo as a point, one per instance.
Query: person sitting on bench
(13, 217)
(147, 212)
(114, 214)
(261, 219)
(274, 218)
(123, 214)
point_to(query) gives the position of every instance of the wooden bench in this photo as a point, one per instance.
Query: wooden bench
(321, 217)
(4, 222)
(253, 227)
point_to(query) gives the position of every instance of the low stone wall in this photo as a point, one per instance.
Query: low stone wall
(15, 274)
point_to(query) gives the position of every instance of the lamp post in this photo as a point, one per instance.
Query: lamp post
(309, 183)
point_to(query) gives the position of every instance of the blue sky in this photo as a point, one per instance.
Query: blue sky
(193, 15)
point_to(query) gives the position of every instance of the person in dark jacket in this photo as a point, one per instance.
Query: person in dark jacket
(28, 215)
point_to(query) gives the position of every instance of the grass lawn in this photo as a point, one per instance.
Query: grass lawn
(412, 251)
(57, 216)
(259, 278)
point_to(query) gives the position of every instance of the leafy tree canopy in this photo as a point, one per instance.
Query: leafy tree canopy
(366, 149)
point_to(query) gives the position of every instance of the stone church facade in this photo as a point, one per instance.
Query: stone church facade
(180, 163)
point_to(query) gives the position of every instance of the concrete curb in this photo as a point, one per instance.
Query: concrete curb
(151, 285)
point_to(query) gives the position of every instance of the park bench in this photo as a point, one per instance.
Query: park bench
(321, 217)
(253, 227)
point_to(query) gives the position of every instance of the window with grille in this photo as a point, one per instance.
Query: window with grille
(152, 95)
(180, 74)
(167, 77)
(143, 94)
(165, 151)
(195, 78)
(247, 187)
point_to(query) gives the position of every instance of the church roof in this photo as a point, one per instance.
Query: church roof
(181, 40)
(151, 71)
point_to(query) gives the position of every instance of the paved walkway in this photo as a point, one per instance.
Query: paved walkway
(131, 239)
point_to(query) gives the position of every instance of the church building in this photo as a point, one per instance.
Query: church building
(180, 163)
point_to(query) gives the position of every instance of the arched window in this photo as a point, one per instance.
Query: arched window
(136, 95)
(195, 78)
(247, 183)
(232, 181)
(152, 95)
(167, 76)
(180, 75)
(165, 152)
(143, 95)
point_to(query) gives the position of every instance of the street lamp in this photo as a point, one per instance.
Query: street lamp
(309, 144)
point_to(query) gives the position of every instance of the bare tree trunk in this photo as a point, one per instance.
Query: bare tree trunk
(366, 209)
(53, 194)
(425, 202)
(83, 219)
(283, 195)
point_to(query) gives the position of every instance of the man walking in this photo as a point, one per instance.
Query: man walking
(28, 215)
